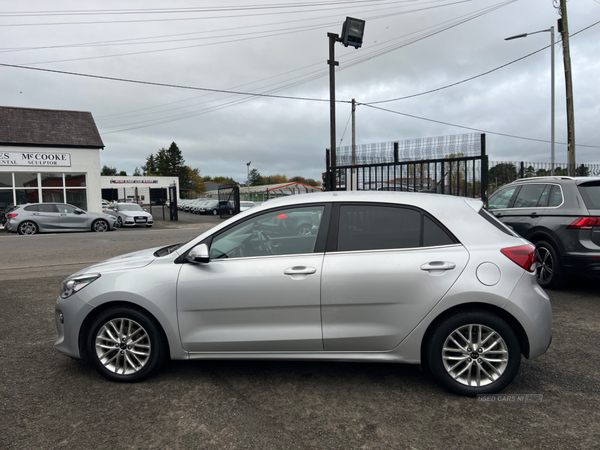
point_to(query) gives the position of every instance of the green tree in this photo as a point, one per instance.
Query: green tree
(502, 173)
(150, 167)
(122, 173)
(137, 173)
(529, 172)
(255, 179)
(224, 180)
(192, 180)
(108, 171)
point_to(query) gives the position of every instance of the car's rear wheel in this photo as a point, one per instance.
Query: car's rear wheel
(549, 270)
(27, 228)
(474, 352)
(100, 226)
(126, 344)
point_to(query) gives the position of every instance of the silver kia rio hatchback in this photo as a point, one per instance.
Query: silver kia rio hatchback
(381, 276)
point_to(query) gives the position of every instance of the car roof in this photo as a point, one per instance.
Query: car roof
(556, 179)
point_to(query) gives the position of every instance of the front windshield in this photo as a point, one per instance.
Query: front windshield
(129, 207)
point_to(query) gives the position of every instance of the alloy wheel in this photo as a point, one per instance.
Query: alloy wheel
(123, 346)
(475, 355)
(545, 261)
(100, 226)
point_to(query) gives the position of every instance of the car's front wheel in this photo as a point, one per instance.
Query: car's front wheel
(100, 226)
(549, 270)
(119, 222)
(126, 344)
(215, 212)
(474, 352)
(27, 228)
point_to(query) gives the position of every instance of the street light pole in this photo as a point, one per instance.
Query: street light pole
(333, 38)
(352, 34)
(552, 100)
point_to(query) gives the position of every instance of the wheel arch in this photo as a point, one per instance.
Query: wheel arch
(537, 235)
(88, 321)
(503, 314)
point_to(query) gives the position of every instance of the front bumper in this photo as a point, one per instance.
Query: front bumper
(69, 315)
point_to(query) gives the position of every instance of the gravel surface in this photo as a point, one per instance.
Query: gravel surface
(48, 400)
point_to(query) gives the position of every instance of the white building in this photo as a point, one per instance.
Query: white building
(140, 189)
(49, 156)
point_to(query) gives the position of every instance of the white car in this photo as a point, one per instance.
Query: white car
(130, 215)
(246, 205)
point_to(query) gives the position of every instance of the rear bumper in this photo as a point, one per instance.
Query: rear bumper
(588, 265)
(530, 305)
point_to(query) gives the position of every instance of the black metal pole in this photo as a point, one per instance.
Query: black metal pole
(333, 38)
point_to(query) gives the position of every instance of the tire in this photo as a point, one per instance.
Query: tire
(127, 363)
(214, 212)
(231, 212)
(119, 222)
(28, 228)
(100, 226)
(465, 368)
(549, 271)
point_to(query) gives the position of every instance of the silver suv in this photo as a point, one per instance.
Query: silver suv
(561, 216)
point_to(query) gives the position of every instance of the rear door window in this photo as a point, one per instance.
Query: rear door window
(529, 196)
(377, 227)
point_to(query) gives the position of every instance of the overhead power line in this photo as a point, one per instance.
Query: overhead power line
(469, 128)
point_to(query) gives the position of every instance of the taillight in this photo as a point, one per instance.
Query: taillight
(585, 223)
(523, 256)
(11, 216)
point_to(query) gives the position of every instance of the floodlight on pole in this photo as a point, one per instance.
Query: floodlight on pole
(352, 35)
(552, 112)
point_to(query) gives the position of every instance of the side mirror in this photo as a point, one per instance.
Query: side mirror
(198, 254)
(79, 211)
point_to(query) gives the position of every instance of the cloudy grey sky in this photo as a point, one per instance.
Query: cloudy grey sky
(184, 51)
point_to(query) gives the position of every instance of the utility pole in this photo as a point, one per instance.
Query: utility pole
(563, 29)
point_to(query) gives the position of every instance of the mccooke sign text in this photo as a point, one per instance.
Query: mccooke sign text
(35, 159)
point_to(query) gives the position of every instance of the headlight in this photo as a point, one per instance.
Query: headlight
(77, 283)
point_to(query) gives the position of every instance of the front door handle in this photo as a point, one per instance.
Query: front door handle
(299, 270)
(438, 267)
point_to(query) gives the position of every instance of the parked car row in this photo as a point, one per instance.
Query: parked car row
(211, 206)
(33, 218)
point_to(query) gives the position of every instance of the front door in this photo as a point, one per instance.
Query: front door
(69, 219)
(257, 294)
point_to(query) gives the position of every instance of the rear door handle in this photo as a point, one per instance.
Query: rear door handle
(438, 266)
(299, 270)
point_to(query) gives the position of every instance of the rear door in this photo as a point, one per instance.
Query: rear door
(45, 215)
(521, 207)
(387, 267)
